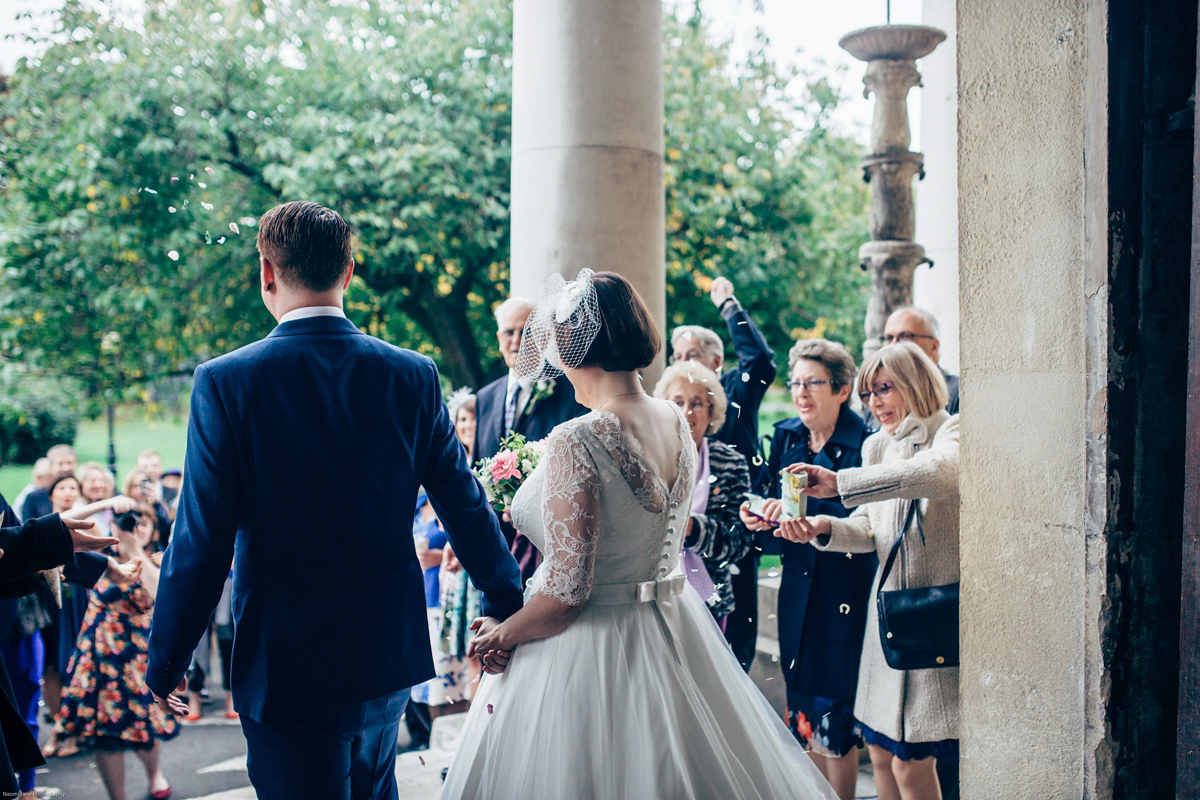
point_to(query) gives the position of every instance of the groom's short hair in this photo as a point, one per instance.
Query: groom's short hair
(308, 244)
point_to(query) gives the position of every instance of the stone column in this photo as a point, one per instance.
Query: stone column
(587, 163)
(891, 256)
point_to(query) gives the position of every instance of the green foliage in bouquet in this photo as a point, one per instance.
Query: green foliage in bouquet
(503, 473)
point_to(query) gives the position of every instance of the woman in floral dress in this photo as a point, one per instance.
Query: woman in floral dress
(108, 706)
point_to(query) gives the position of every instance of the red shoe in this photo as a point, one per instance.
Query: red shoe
(232, 715)
(161, 794)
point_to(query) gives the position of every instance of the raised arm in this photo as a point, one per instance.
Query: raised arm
(570, 503)
(756, 359)
(119, 504)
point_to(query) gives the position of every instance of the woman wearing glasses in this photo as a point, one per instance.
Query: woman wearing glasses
(909, 719)
(822, 596)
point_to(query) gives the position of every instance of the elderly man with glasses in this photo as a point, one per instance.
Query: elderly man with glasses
(745, 388)
(916, 325)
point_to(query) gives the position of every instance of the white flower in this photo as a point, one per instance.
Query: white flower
(572, 296)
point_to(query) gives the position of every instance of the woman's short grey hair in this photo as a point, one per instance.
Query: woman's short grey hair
(710, 343)
(832, 356)
(692, 372)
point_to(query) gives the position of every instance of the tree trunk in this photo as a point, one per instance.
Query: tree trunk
(447, 324)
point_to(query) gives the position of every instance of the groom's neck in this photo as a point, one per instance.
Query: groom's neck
(287, 298)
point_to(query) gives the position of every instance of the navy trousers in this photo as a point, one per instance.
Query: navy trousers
(352, 757)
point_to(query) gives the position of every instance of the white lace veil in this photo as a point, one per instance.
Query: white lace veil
(560, 329)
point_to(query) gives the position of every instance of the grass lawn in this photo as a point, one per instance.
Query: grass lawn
(134, 433)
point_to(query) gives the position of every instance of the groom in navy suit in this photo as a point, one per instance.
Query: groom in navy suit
(305, 451)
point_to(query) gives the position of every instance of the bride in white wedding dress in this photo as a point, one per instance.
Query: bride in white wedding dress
(614, 681)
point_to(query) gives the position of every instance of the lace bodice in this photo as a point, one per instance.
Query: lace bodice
(599, 510)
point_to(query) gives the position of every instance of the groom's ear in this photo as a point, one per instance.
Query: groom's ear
(268, 278)
(349, 275)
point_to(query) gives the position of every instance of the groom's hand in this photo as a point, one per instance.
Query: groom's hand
(171, 704)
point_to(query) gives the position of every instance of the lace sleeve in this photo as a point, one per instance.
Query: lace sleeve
(570, 505)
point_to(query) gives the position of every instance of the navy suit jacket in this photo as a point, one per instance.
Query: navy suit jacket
(305, 451)
(823, 596)
(536, 419)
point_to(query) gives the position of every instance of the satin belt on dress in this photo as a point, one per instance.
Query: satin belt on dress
(611, 594)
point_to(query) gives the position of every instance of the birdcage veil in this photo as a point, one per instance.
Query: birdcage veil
(560, 329)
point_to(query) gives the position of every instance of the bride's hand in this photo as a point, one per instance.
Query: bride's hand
(487, 645)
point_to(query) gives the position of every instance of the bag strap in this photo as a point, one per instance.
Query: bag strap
(913, 512)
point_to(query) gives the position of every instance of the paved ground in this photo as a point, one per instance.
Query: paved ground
(207, 761)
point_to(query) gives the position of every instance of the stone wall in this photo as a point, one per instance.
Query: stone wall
(1027, 696)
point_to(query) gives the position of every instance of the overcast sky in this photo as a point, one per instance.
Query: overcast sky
(802, 32)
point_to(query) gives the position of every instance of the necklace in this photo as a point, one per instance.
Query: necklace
(615, 396)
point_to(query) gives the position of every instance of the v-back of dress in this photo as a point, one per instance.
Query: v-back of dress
(600, 511)
(640, 697)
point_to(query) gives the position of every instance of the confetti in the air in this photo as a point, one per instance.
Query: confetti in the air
(209, 170)
(207, 206)
(173, 255)
(172, 209)
(233, 226)
(490, 709)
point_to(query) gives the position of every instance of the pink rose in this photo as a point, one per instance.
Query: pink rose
(505, 466)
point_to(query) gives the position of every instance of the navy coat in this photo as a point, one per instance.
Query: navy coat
(822, 596)
(746, 386)
(305, 451)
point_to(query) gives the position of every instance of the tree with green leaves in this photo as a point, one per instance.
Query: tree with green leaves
(136, 159)
(760, 191)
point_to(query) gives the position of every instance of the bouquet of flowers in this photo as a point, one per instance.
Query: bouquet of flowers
(503, 473)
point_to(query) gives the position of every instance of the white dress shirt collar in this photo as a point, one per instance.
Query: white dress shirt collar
(304, 312)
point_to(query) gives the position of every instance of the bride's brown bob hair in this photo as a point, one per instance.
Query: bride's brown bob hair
(628, 338)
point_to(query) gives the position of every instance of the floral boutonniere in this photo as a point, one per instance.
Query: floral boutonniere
(541, 390)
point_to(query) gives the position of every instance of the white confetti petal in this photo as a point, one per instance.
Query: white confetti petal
(173, 255)
(233, 226)
(207, 206)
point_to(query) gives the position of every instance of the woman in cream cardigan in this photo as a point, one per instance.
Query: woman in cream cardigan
(909, 719)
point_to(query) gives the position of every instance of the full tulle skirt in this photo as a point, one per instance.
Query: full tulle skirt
(633, 702)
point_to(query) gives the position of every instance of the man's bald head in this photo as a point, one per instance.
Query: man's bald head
(916, 325)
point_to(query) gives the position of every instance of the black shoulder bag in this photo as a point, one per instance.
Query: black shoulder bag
(918, 628)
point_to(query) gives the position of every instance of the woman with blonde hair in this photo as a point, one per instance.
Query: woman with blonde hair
(909, 718)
